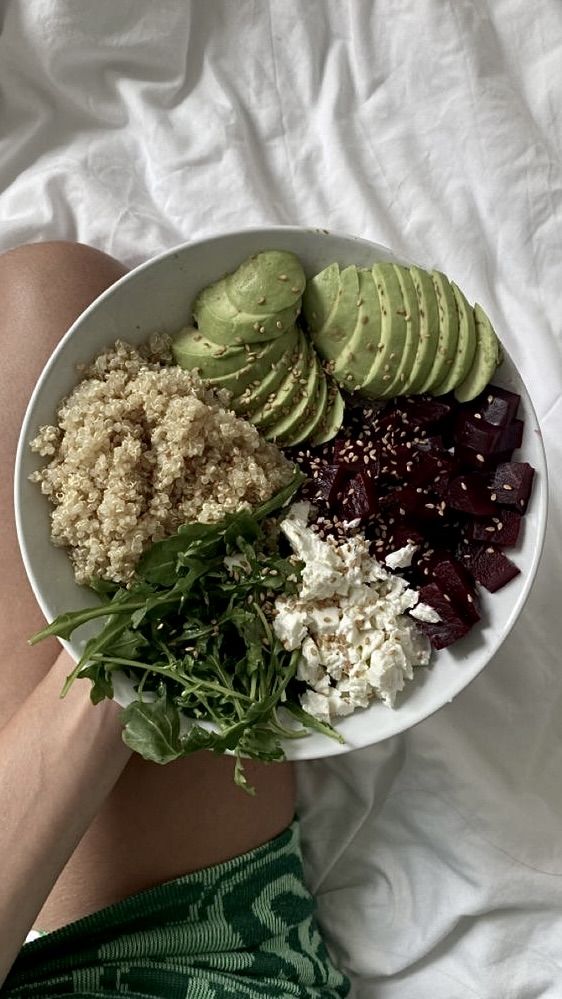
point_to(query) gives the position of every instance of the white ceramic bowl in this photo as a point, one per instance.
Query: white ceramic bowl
(157, 296)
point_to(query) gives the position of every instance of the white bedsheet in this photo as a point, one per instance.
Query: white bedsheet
(434, 127)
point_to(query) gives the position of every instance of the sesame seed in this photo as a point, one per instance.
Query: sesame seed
(490, 529)
(261, 301)
(507, 486)
(279, 324)
(282, 277)
(480, 457)
(493, 496)
(464, 486)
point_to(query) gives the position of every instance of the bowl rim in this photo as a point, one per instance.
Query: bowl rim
(333, 748)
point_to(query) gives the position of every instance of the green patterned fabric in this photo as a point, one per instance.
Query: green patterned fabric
(243, 928)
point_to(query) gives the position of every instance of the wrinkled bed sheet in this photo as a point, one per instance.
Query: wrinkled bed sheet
(434, 127)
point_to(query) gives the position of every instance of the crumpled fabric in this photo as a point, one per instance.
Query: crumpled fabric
(435, 128)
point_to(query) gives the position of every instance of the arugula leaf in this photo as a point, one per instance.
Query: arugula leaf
(153, 729)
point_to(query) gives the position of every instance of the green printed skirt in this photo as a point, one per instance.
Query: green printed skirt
(242, 928)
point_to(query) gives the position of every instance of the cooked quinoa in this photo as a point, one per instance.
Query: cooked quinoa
(140, 448)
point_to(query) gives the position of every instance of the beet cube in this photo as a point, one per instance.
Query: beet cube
(470, 493)
(503, 529)
(328, 483)
(512, 436)
(492, 568)
(469, 458)
(453, 579)
(408, 502)
(359, 501)
(496, 405)
(477, 434)
(451, 627)
(513, 481)
(432, 469)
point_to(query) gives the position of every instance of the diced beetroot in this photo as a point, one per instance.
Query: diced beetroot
(328, 483)
(431, 443)
(453, 579)
(512, 436)
(470, 493)
(451, 627)
(492, 568)
(360, 453)
(469, 458)
(503, 529)
(432, 468)
(358, 500)
(407, 501)
(482, 437)
(496, 405)
(513, 481)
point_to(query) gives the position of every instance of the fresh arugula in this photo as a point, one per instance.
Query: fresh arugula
(194, 634)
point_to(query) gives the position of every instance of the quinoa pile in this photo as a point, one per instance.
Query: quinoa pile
(141, 447)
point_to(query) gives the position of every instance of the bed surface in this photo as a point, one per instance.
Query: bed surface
(435, 128)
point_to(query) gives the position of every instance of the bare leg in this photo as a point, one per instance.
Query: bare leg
(158, 823)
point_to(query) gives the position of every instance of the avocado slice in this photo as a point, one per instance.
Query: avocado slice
(222, 323)
(192, 350)
(333, 417)
(256, 363)
(448, 332)
(357, 356)
(429, 327)
(267, 380)
(289, 392)
(292, 428)
(388, 354)
(410, 310)
(466, 345)
(486, 359)
(316, 410)
(266, 283)
(320, 296)
(338, 328)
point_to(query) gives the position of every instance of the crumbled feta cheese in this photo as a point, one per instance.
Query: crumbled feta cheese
(351, 619)
(423, 612)
(402, 557)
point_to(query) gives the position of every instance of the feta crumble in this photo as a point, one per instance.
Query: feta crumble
(351, 620)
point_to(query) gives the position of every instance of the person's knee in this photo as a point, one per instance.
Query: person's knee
(53, 259)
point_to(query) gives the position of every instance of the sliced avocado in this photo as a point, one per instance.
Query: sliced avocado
(289, 392)
(192, 350)
(292, 428)
(222, 323)
(267, 379)
(466, 345)
(448, 332)
(320, 296)
(333, 418)
(316, 410)
(331, 339)
(486, 359)
(429, 327)
(257, 364)
(410, 310)
(357, 356)
(267, 282)
(388, 354)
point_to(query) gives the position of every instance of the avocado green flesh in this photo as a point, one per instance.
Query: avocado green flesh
(331, 339)
(410, 311)
(254, 364)
(272, 413)
(222, 324)
(317, 414)
(389, 352)
(429, 327)
(192, 350)
(448, 332)
(269, 379)
(333, 419)
(486, 359)
(357, 356)
(319, 297)
(466, 345)
(290, 430)
(268, 282)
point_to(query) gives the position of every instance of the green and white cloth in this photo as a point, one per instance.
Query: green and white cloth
(242, 928)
